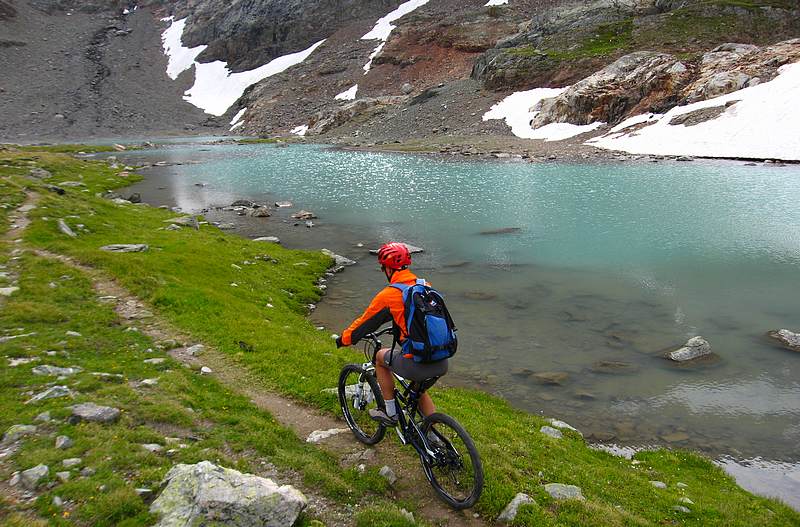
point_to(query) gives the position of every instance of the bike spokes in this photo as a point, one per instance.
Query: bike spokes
(358, 393)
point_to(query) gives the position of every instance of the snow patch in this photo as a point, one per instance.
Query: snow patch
(347, 95)
(495, 2)
(384, 27)
(763, 123)
(299, 130)
(517, 113)
(215, 87)
(236, 122)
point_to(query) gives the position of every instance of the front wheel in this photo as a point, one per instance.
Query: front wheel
(455, 471)
(358, 393)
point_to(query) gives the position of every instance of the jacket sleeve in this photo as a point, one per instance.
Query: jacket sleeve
(377, 314)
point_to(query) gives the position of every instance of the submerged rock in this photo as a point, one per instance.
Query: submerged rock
(204, 493)
(551, 377)
(304, 215)
(504, 230)
(695, 348)
(787, 338)
(510, 510)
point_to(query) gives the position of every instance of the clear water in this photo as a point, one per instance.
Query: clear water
(614, 262)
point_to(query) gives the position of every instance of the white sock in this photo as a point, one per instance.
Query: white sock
(391, 408)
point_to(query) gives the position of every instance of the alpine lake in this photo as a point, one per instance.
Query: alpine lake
(568, 282)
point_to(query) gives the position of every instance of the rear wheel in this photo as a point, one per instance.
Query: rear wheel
(455, 472)
(358, 393)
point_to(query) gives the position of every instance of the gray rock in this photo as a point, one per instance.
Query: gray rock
(125, 247)
(184, 221)
(304, 215)
(559, 491)
(88, 472)
(694, 348)
(153, 447)
(681, 508)
(39, 173)
(144, 493)
(788, 338)
(72, 462)
(204, 493)
(510, 511)
(388, 474)
(73, 334)
(205, 370)
(156, 360)
(658, 484)
(319, 435)
(564, 426)
(8, 291)
(64, 228)
(551, 432)
(31, 478)
(270, 239)
(14, 481)
(51, 393)
(93, 413)
(46, 369)
(283, 204)
(15, 432)
(685, 500)
(406, 88)
(195, 350)
(149, 382)
(64, 442)
(58, 502)
(681, 485)
(260, 212)
(43, 417)
(338, 259)
(63, 476)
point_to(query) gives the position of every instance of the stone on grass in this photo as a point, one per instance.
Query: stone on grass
(681, 508)
(658, 484)
(125, 247)
(694, 348)
(153, 447)
(195, 350)
(88, 472)
(388, 474)
(72, 462)
(681, 485)
(64, 442)
(63, 476)
(510, 512)
(15, 432)
(43, 417)
(564, 426)
(338, 260)
(46, 369)
(204, 493)
(64, 228)
(93, 413)
(551, 432)
(31, 478)
(686, 500)
(73, 334)
(51, 393)
(157, 360)
(149, 382)
(559, 491)
(58, 502)
(205, 370)
(8, 291)
(318, 435)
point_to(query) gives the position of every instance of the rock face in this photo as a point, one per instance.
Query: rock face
(205, 494)
(787, 338)
(694, 348)
(640, 82)
(510, 512)
(93, 413)
(326, 121)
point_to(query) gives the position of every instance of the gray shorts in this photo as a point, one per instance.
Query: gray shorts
(413, 371)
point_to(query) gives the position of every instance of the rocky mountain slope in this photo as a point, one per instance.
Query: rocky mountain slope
(98, 67)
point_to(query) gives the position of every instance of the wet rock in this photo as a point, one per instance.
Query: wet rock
(270, 239)
(135, 198)
(675, 437)
(205, 493)
(93, 413)
(304, 215)
(125, 247)
(260, 213)
(16, 432)
(51, 393)
(551, 432)
(510, 510)
(504, 230)
(283, 204)
(788, 339)
(551, 377)
(64, 228)
(613, 367)
(243, 203)
(319, 435)
(31, 478)
(63, 442)
(559, 491)
(695, 348)
(338, 259)
(46, 369)
(658, 484)
(388, 474)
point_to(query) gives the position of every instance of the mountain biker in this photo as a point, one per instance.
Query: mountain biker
(387, 306)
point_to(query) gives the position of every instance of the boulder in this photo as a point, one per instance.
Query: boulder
(319, 435)
(510, 511)
(46, 369)
(564, 426)
(63, 442)
(51, 393)
(304, 215)
(125, 247)
(325, 121)
(15, 432)
(551, 432)
(243, 203)
(64, 228)
(205, 494)
(93, 413)
(695, 348)
(270, 239)
(559, 491)
(260, 212)
(338, 259)
(644, 81)
(195, 350)
(31, 478)
(39, 173)
(388, 474)
(787, 338)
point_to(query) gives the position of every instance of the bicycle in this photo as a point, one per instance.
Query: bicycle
(438, 439)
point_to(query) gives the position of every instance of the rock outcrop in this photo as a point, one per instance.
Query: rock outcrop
(325, 121)
(205, 494)
(786, 338)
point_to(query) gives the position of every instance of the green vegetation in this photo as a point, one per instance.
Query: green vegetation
(70, 149)
(606, 40)
(261, 140)
(188, 277)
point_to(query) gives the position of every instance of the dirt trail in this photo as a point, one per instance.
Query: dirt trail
(411, 485)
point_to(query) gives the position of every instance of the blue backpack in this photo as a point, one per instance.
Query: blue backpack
(430, 329)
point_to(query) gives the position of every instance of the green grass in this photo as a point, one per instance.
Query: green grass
(186, 277)
(607, 39)
(70, 149)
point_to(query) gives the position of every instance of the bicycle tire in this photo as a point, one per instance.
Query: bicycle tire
(450, 456)
(359, 423)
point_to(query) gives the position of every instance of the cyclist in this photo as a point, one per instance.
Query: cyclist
(387, 306)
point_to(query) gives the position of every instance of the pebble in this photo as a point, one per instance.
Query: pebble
(205, 370)
(388, 474)
(658, 484)
(510, 511)
(71, 462)
(87, 472)
(63, 442)
(681, 508)
(58, 502)
(63, 476)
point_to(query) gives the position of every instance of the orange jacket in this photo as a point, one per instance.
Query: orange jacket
(385, 307)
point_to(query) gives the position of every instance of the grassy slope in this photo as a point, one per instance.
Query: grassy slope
(187, 275)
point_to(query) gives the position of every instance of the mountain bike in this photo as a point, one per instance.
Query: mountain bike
(450, 461)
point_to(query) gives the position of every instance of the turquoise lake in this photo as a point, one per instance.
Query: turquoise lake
(611, 262)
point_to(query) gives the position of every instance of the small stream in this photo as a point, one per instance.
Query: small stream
(605, 267)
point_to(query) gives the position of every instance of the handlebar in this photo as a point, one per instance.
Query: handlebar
(375, 341)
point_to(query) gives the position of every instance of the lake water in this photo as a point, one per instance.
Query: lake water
(611, 262)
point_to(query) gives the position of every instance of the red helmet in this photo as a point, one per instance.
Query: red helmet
(394, 255)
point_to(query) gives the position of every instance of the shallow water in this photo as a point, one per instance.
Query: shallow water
(612, 262)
